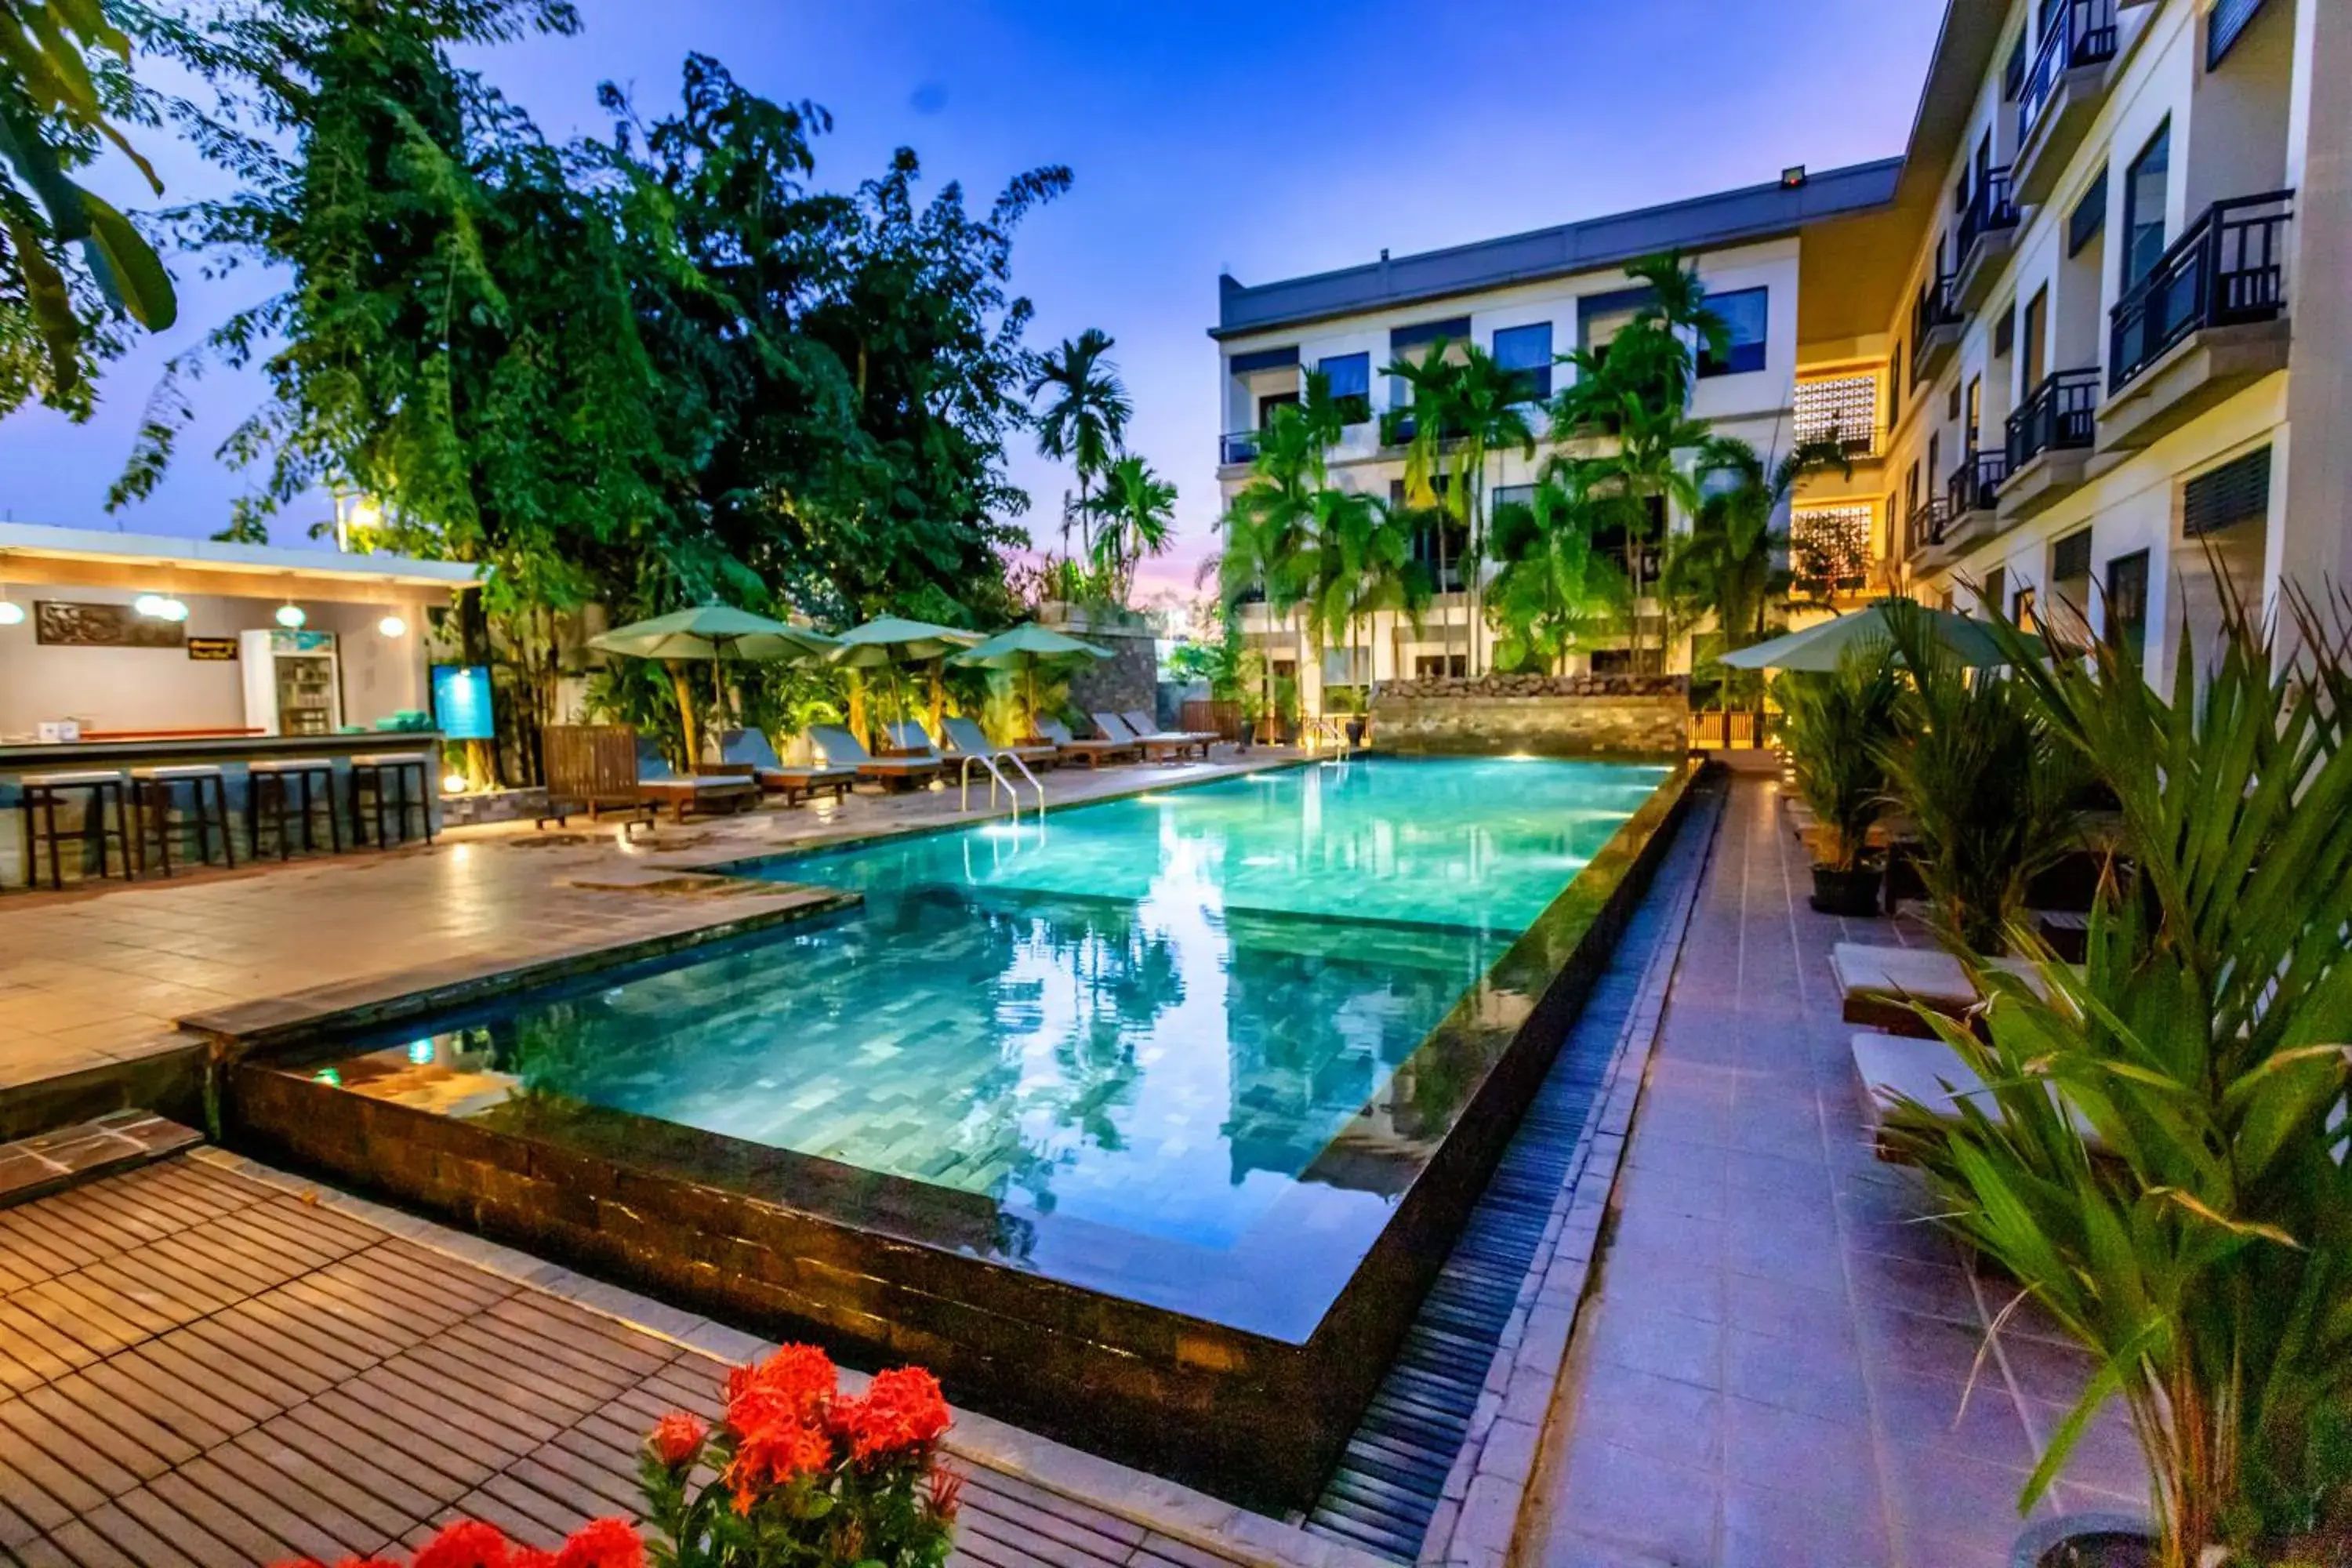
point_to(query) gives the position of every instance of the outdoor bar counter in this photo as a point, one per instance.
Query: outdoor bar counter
(231, 754)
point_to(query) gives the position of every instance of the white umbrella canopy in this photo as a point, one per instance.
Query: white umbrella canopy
(1820, 647)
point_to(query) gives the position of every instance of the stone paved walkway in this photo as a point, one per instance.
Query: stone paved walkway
(1780, 1366)
(87, 979)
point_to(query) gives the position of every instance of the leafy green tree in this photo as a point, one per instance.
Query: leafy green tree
(65, 79)
(1269, 526)
(1733, 562)
(1552, 591)
(1137, 513)
(1631, 398)
(1083, 419)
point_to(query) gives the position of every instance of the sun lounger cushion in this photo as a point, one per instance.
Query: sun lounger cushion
(1880, 985)
(1890, 1068)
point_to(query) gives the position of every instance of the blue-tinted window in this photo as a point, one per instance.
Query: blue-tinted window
(2144, 195)
(1350, 376)
(1747, 314)
(1526, 351)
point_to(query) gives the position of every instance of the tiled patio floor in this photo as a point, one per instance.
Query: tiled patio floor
(87, 979)
(1774, 1367)
(201, 1371)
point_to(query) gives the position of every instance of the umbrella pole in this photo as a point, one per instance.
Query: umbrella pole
(685, 714)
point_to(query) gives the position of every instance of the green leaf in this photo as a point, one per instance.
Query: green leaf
(120, 255)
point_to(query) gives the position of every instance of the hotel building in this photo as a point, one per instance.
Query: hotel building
(2067, 336)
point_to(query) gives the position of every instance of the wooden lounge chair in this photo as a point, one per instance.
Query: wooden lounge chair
(1108, 747)
(840, 749)
(1883, 988)
(682, 792)
(751, 749)
(964, 739)
(1890, 1068)
(1134, 719)
(1156, 747)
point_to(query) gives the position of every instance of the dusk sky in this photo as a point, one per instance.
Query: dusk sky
(1208, 136)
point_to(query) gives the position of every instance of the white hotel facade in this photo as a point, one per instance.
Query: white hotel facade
(2072, 334)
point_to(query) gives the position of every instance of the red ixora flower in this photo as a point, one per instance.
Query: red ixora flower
(791, 1387)
(468, 1543)
(773, 1456)
(903, 1408)
(602, 1543)
(677, 1439)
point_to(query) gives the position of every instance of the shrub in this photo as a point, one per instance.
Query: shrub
(1837, 725)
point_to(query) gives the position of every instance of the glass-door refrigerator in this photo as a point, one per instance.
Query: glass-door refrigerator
(293, 685)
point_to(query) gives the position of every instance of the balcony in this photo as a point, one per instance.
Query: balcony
(1238, 447)
(1923, 530)
(2062, 91)
(2048, 443)
(1934, 329)
(1969, 500)
(2208, 320)
(1988, 230)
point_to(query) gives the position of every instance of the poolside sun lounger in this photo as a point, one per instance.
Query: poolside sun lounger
(1884, 986)
(742, 749)
(1110, 746)
(682, 792)
(1134, 720)
(910, 740)
(964, 739)
(840, 749)
(1156, 746)
(1890, 1068)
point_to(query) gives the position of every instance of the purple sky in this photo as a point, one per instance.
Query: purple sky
(1265, 140)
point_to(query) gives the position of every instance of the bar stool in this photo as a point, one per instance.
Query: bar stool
(150, 792)
(40, 799)
(274, 785)
(370, 774)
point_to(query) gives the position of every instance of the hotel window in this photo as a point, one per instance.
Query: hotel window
(1272, 401)
(1895, 388)
(2238, 491)
(2128, 605)
(1601, 317)
(1441, 666)
(1502, 495)
(2070, 586)
(1350, 379)
(1526, 353)
(2021, 609)
(2144, 193)
(2037, 341)
(1746, 313)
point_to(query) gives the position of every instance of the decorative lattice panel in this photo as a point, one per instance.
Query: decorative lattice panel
(1830, 548)
(1842, 408)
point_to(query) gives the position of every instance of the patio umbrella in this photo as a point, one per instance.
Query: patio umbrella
(891, 640)
(1821, 646)
(714, 632)
(1023, 648)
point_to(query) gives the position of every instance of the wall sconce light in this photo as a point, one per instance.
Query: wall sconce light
(12, 614)
(392, 626)
(290, 615)
(1792, 176)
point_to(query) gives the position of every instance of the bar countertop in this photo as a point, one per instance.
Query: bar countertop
(18, 759)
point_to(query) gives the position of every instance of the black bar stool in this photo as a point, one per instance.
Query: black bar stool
(40, 808)
(289, 790)
(152, 792)
(379, 789)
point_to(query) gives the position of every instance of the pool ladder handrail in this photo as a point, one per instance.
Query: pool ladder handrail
(995, 777)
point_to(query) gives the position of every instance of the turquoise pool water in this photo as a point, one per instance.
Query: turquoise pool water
(1164, 1034)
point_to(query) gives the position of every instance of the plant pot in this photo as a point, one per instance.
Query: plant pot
(1355, 732)
(1853, 893)
(2085, 1541)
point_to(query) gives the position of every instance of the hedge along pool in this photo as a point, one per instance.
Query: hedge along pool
(1170, 1045)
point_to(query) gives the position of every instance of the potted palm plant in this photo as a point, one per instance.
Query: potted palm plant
(1837, 725)
(2163, 1167)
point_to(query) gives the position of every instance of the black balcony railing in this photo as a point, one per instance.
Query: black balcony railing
(2074, 33)
(2229, 268)
(1933, 309)
(1976, 483)
(2057, 415)
(1927, 523)
(1991, 209)
(1238, 447)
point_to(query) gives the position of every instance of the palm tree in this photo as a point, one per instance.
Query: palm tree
(1268, 523)
(1427, 426)
(1552, 589)
(1360, 564)
(1138, 512)
(1085, 420)
(1731, 562)
(1488, 402)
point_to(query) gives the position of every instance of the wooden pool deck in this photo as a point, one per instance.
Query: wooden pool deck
(199, 1368)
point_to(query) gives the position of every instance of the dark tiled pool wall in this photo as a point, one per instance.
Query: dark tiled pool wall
(792, 1244)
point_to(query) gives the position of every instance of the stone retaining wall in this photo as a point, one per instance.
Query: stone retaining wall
(1641, 715)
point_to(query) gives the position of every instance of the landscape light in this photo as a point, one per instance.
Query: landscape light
(392, 626)
(290, 615)
(453, 784)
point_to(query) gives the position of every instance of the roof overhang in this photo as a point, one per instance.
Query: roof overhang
(1748, 215)
(34, 553)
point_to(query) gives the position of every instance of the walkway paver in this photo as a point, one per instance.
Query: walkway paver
(198, 1370)
(1780, 1365)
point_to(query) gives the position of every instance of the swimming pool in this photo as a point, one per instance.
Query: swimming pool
(1175, 1060)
